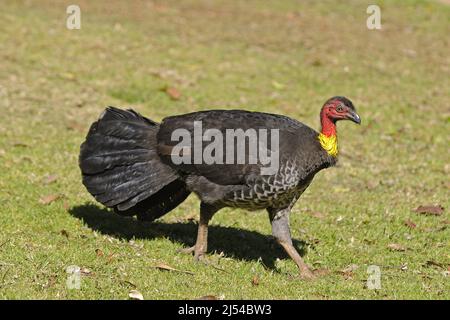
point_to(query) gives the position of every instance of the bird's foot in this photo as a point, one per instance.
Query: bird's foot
(307, 274)
(198, 254)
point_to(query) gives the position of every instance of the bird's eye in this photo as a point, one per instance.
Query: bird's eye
(339, 108)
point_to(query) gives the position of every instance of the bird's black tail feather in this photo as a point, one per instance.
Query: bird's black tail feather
(122, 170)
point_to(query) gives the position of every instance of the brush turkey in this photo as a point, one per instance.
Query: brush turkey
(127, 164)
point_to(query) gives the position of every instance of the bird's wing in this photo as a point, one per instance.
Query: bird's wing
(290, 134)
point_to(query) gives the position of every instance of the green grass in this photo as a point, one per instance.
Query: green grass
(286, 57)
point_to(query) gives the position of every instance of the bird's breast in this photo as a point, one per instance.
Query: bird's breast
(276, 190)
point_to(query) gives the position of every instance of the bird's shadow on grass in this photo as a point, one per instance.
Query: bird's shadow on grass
(233, 242)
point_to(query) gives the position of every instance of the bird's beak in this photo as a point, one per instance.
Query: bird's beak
(353, 116)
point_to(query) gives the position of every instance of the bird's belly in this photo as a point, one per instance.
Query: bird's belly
(270, 193)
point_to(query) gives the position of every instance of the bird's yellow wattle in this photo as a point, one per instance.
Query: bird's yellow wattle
(329, 144)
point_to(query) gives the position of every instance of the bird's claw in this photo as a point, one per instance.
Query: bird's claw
(307, 274)
(198, 254)
(187, 250)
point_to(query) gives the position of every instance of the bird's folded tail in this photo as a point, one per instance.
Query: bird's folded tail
(121, 167)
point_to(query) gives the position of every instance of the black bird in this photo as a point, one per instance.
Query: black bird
(137, 167)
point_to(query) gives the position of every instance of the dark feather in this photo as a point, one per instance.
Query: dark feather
(160, 203)
(298, 143)
(119, 161)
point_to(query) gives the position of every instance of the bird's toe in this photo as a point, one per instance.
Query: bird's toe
(187, 250)
(307, 275)
(199, 256)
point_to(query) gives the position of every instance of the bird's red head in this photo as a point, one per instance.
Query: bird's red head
(337, 108)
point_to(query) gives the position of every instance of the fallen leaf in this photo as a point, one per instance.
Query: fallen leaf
(347, 272)
(316, 63)
(50, 178)
(111, 257)
(20, 144)
(75, 126)
(49, 199)
(64, 233)
(173, 93)
(131, 284)
(350, 268)
(435, 264)
(99, 253)
(372, 185)
(208, 297)
(218, 268)
(50, 282)
(163, 266)
(410, 224)
(85, 271)
(348, 275)
(255, 280)
(396, 247)
(435, 210)
(66, 206)
(317, 214)
(135, 295)
(441, 228)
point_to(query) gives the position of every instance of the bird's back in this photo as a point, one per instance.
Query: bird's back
(299, 151)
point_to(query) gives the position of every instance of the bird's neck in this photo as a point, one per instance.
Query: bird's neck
(327, 136)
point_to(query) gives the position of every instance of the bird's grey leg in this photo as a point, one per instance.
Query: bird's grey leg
(201, 246)
(280, 230)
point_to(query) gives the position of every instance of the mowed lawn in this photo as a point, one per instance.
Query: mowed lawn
(170, 57)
